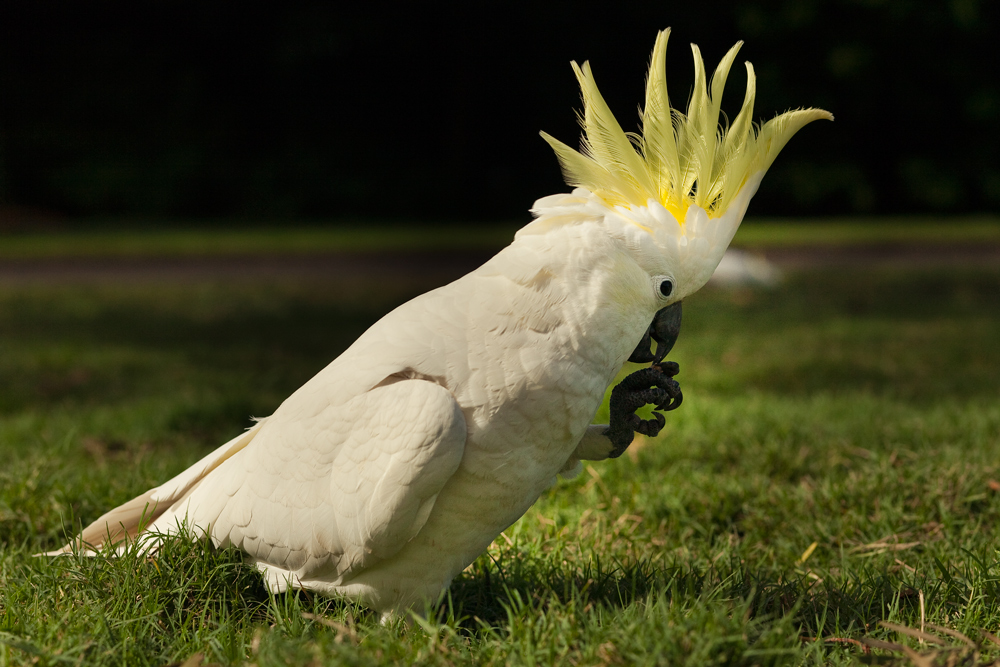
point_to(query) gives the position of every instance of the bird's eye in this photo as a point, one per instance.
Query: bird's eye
(666, 288)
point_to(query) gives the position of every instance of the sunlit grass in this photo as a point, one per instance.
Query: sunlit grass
(856, 410)
(215, 238)
(767, 232)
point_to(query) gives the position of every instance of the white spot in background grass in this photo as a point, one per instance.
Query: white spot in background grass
(739, 268)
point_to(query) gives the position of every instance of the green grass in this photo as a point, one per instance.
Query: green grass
(765, 233)
(856, 410)
(215, 239)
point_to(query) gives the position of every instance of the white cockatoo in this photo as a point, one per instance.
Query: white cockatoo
(393, 468)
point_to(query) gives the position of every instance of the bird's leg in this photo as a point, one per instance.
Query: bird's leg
(654, 385)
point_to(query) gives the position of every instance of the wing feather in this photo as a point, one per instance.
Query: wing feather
(333, 493)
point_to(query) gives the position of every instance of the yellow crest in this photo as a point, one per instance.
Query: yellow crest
(679, 159)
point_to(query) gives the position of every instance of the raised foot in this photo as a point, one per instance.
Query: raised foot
(649, 386)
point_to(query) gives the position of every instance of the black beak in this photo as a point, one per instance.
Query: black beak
(664, 330)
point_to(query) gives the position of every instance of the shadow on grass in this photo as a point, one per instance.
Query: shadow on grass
(117, 351)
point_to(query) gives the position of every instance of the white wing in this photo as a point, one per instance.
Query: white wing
(326, 494)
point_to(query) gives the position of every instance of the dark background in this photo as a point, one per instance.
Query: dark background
(173, 110)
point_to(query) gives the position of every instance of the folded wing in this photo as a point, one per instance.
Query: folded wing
(327, 493)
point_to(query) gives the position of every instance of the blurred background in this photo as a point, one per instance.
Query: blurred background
(322, 111)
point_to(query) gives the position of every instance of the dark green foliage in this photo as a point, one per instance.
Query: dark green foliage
(325, 110)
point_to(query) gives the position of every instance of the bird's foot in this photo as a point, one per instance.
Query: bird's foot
(649, 386)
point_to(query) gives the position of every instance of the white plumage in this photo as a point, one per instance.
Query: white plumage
(394, 467)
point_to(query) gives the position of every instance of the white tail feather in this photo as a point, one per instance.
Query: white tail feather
(127, 521)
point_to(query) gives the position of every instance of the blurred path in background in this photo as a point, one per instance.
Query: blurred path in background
(424, 256)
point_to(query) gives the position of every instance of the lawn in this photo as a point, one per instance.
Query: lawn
(213, 238)
(834, 466)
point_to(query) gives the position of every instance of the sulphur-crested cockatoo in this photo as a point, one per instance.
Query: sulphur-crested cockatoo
(393, 468)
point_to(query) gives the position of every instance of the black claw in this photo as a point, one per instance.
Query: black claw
(648, 386)
(669, 368)
(648, 427)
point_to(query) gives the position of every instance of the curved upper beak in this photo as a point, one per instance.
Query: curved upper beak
(664, 329)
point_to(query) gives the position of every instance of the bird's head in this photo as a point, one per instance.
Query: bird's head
(676, 193)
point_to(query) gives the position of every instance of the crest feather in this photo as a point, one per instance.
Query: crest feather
(679, 159)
